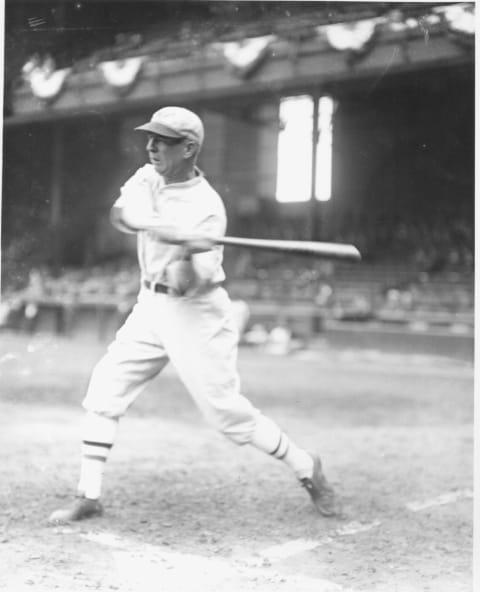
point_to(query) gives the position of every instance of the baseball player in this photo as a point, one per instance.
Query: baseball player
(182, 315)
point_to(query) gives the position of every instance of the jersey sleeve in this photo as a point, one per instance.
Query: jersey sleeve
(136, 192)
(214, 224)
(213, 220)
(208, 265)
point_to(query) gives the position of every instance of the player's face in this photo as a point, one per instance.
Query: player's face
(166, 154)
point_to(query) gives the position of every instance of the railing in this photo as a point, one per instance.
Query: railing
(302, 301)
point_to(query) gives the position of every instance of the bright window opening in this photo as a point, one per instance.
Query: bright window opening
(295, 150)
(323, 180)
(294, 162)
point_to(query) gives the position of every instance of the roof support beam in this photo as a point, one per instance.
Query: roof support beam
(206, 77)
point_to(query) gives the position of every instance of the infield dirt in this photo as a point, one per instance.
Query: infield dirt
(186, 510)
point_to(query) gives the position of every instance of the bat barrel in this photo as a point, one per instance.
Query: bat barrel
(323, 250)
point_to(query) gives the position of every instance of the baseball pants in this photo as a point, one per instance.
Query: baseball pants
(199, 337)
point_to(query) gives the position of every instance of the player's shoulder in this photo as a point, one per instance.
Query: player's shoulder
(209, 193)
(143, 176)
(146, 172)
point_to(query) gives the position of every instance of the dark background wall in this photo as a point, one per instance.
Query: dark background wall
(403, 154)
(403, 150)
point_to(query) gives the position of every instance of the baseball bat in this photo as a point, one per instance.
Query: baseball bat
(344, 252)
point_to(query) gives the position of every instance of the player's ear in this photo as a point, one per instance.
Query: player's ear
(191, 149)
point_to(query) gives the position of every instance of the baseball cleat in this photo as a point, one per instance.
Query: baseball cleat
(80, 509)
(321, 492)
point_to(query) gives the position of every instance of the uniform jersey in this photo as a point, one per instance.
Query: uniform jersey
(191, 206)
(196, 333)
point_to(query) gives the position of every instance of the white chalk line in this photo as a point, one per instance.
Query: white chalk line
(355, 527)
(143, 566)
(297, 546)
(272, 553)
(441, 500)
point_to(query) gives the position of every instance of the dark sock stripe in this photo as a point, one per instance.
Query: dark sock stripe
(278, 446)
(285, 453)
(95, 457)
(100, 444)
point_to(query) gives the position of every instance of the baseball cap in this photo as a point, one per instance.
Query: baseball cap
(175, 122)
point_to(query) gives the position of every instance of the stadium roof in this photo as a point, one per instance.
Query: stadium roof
(143, 50)
(109, 29)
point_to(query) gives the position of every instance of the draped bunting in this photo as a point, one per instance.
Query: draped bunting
(244, 56)
(460, 24)
(460, 18)
(350, 36)
(121, 73)
(45, 81)
(398, 23)
(354, 38)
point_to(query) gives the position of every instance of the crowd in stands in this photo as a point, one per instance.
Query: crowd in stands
(444, 244)
(440, 243)
(406, 268)
(113, 284)
(409, 269)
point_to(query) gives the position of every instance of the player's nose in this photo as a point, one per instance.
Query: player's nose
(151, 145)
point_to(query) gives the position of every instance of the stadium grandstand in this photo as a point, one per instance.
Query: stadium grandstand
(378, 96)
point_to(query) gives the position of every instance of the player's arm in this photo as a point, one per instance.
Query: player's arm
(131, 220)
(206, 263)
(116, 218)
(128, 220)
(133, 212)
(199, 268)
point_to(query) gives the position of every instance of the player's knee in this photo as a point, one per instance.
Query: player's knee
(102, 408)
(238, 431)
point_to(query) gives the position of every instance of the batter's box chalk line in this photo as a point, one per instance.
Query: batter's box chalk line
(106, 538)
(441, 500)
(142, 566)
(297, 546)
(270, 554)
(356, 527)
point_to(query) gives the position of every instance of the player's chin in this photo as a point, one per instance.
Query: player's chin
(158, 166)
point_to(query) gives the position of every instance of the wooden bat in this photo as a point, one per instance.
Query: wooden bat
(322, 250)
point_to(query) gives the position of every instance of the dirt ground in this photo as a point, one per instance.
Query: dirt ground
(187, 511)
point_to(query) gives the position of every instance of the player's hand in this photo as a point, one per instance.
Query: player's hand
(181, 277)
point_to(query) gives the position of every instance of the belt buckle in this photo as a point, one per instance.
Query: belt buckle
(157, 287)
(150, 285)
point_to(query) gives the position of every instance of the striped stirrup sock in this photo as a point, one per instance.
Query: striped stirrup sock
(98, 437)
(94, 457)
(269, 438)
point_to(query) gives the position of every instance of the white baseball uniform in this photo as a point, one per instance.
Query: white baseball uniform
(196, 332)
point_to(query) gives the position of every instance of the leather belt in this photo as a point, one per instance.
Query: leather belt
(155, 287)
(163, 289)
